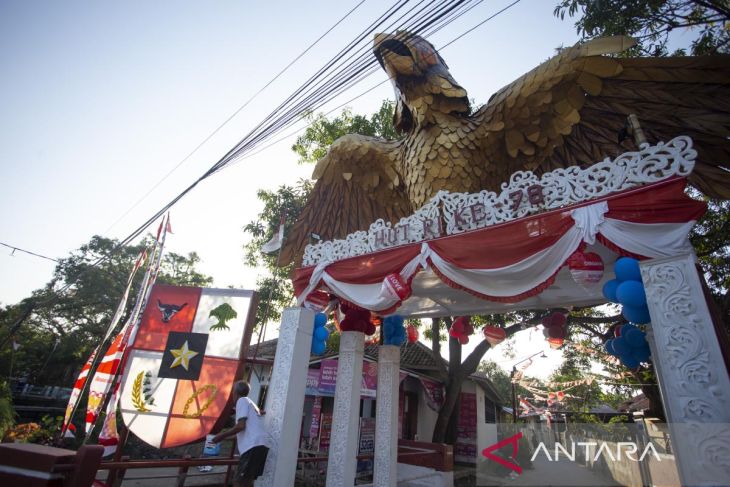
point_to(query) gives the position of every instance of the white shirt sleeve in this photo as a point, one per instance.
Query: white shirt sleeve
(242, 408)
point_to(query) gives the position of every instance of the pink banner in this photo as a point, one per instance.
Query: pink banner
(369, 379)
(465, 449)
(316, 411)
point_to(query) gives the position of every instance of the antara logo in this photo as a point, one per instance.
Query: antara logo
(513, 440)
(169, 310)
(628, 447)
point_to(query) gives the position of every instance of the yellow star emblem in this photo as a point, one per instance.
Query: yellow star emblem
(182, 356)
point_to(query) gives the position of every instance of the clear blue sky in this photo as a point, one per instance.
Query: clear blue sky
(101, 99)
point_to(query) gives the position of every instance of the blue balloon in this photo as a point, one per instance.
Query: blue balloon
(320, 319)
(631, 293)
(609, 347)
(609, 290)
(318, 348)
(321, 334)
(629, 361)
(627, 269)
(637, 315)
(621, 347)
(393, 325)
(634, 337)
(641, 354)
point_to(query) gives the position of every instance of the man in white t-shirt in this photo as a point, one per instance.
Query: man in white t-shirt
(252, 439)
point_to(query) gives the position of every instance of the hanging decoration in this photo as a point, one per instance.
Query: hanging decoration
(586, 268)
(413, 334)
(630, 346)
(461, 329)
(356, 319)
(554, 329)
(395, 287)
(393, 331)
(494, 335)
(628, 290)
(320, 334)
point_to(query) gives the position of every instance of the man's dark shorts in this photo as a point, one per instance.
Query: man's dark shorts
(251, 463)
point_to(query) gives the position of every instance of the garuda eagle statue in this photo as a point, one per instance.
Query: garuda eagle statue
(567, 111)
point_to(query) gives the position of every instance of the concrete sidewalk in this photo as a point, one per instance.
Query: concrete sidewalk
(167, 477)
(559, 473)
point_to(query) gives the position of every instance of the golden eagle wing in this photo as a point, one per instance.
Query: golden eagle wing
(570, 110)
(357, 183)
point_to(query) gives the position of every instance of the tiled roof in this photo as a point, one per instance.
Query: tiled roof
(414, 356)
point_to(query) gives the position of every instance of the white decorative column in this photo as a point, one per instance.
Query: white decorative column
(341, 464)
(285, 397)
(385, 472)
(690, 369)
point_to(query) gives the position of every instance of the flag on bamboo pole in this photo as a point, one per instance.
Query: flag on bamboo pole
(76, 391)
(275, 243)
(110, 364)
(109, 435)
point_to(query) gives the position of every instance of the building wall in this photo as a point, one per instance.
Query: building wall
(426, 418)
(486, 432)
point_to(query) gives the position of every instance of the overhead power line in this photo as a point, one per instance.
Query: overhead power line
(230, 117)
(34, 254)
(344, 70)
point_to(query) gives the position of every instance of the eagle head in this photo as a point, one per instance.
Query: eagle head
(419, 75)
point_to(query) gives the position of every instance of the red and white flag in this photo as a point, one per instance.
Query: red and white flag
(104, 376)
(109, 435)
(76, 391)
(275, 243)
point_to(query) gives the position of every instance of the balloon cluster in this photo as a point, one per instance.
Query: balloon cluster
(461, 329)
(356, 320)
(628, 290)
(394, 333)
(320, 335)
(630, 346)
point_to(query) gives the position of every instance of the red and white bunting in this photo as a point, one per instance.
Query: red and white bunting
(76, 391)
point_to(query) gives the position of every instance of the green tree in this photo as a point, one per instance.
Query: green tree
(653, 23)
(63, 327)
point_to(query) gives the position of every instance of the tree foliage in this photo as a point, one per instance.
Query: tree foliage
(288, 201)
(63, 327)
(653, 23)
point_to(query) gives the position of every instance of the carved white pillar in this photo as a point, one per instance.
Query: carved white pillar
(690, 369)
(341, 464)
(385, 472)
(285, 396)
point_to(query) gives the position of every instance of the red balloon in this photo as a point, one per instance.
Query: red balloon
(459, 325)
(556, 332)
(558, 319)
(463, 339)
(412, 334)
(468, 329)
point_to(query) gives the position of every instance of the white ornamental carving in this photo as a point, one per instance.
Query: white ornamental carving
(524, 194)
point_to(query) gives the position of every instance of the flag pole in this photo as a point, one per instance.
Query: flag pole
(262, 330)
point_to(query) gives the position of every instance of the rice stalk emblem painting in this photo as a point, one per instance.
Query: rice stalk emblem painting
(183, 362)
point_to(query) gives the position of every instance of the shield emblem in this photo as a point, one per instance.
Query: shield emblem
(183, 361)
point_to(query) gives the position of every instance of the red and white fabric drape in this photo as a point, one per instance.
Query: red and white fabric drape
(512, 261)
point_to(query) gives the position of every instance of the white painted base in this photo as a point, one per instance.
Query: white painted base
(285, 397)
(385, 471)
(342, 464)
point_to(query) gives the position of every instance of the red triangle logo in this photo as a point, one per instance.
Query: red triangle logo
(487, 452)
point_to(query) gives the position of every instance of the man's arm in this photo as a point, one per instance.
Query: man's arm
(240, 426)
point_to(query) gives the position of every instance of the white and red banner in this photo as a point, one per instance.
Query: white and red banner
(183, 361)
(511, 262)
(76, 391)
